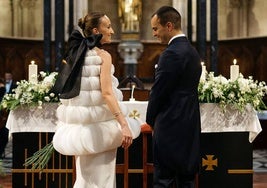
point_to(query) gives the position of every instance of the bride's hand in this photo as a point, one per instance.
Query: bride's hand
(127, 138)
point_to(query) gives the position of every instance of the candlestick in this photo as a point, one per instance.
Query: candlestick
(33, 68)
(234, 71)
(132, 99)
(203, 73)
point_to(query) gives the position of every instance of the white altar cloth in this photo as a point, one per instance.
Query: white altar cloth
(33, 119)
(213, 119)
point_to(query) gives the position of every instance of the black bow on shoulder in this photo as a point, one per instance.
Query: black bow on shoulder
(68, 81)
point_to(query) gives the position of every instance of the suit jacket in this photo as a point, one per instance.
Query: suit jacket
(173, 108)
(2, 93)
(12, 86)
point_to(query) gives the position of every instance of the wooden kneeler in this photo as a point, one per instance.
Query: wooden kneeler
(147, 167)
(123, 168)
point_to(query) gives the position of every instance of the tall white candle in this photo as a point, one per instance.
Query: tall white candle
(234, 71)
(33, 68)
(203, 73)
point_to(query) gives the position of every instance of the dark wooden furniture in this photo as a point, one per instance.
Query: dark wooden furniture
(251, 55)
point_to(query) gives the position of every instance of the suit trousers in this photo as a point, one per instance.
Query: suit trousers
(3, 140)
(164, 178)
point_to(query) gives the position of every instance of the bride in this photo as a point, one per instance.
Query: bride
(92, 123)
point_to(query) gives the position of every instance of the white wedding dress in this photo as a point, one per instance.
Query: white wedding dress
(87, 129)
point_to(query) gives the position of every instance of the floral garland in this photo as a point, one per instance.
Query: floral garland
(214, 89)
(238, 93)
(31, 93)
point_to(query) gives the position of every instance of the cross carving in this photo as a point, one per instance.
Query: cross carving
(209, 162)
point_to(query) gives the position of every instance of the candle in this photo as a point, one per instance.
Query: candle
(234, 71)
(33, 68)
(203, 74)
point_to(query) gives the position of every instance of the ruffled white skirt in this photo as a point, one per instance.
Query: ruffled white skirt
(94, 147)
(77, 139)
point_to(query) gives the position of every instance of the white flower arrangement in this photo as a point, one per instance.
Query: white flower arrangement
(238, 93)
(31, 93)
(214, 89)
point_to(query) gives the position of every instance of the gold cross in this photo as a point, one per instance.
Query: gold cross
(209, 162)
(134, 114)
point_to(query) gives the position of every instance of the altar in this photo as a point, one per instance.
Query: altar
(226, 148)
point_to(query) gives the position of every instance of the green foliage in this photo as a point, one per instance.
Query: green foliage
(40, 159)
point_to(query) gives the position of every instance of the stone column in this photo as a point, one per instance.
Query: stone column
(214, 36)
(239, 18)
(71, 15)
(189, 20)
(59, 32)
(47, 35)
(28, 17)
(201, 29)
(181, 6)
(80, 10)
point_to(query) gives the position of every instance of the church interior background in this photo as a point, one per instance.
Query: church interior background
(236, 20)
(29, 31)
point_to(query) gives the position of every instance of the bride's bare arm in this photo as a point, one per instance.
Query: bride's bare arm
(110, 99)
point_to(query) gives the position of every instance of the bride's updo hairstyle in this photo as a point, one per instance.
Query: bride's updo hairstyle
(90, 21)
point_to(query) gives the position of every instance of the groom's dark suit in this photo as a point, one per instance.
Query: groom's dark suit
(173, 111)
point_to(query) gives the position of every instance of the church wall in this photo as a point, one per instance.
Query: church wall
(241, 19)
(236, 18)
(26, 17)
(5, 10)
(259, 19)
(111, 9)
(148, 8)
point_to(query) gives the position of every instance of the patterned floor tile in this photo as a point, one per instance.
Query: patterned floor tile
(260, 160)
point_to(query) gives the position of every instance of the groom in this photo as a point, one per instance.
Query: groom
(173, 107)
